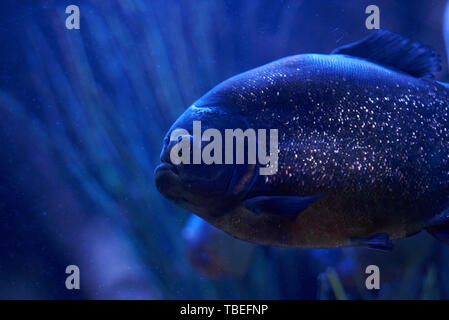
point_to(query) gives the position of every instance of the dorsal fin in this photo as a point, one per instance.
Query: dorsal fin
(392, 50)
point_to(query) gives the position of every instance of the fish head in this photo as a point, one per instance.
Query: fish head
(207, 189)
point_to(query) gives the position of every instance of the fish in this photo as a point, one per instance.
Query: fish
(213, 253)
(363, 149)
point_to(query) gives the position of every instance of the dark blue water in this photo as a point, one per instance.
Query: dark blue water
(82, 117)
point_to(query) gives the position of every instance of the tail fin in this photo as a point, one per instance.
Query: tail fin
(446, 38)
(446, 29)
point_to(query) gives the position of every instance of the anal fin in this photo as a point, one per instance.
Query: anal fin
(440, 233)
(439, 227)
(379, 241)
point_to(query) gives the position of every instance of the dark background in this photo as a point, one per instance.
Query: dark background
(82, 117)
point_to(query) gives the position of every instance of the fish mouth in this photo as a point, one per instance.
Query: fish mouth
(166, 168)
(166, 179)
(170, 184)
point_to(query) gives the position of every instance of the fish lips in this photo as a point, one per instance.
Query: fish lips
(194, 195)
(172, 186)
(166, 179)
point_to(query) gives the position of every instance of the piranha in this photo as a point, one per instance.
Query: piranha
(363, 150)
(213, 253)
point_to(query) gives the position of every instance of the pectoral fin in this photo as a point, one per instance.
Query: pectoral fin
(379, 241)
(287, 206)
